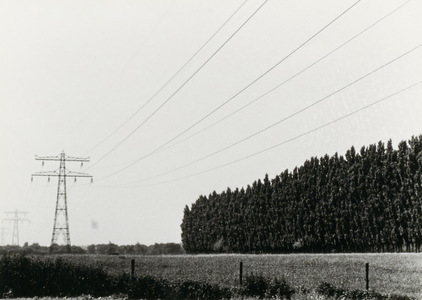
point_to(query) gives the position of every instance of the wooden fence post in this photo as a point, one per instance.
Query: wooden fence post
(240, 272)
(132, 269)
(367, 275)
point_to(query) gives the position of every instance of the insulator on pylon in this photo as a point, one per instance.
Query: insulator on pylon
(49, 178)
(92, 180)
(75, 179)
(32, 178)
(43, 163)
(82, 164)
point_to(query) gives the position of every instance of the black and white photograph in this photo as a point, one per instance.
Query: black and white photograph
(211, 149)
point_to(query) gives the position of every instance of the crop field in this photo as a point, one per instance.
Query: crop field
(392, 273)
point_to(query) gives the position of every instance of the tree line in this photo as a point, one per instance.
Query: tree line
(108, 249)
(366, 201)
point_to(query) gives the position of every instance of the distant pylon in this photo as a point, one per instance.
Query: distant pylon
(2, 234)
(61, 221)
(15, 219)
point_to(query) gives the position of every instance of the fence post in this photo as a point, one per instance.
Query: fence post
(367, 275)
(132, 269)
(240, 272)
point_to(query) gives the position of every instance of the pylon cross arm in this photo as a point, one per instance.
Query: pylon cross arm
(47, 157)
(77, 174)
(58, 158)
(47, 173)
(67, 174)
(16, 212)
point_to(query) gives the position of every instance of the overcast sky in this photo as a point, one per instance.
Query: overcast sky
(74, 73)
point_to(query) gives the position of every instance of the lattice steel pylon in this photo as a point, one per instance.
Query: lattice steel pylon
(15, 219)
(61, 220)
(2, 234)
(2, 243)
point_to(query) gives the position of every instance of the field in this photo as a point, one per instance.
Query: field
(393, 273)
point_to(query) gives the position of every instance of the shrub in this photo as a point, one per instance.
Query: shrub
(200, 290)
(148, 287)
(327, 289)
(255, 286)
(280, 289)
(22, 276)
(261, 287)
(399, 297)
(27, 277)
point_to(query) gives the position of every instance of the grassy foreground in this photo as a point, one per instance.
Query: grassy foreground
(389, 273)
(311, 276)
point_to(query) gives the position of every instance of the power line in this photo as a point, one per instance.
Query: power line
(168, 99)
(121, 72)
(259, 77)
(284, 82)
(286, 118)
(262, 75)
(276, 87)
(286, 141)
(168, 81)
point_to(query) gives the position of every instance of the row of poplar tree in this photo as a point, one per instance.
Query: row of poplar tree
(367, 201)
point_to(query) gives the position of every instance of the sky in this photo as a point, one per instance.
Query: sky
(171, 100)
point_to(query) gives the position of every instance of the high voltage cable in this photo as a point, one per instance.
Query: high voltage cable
(284, 119)
(279, 85)
(284, 82)
(168, 99)
(121, 72)
(168, 81)
(286, 141)
(235, 94)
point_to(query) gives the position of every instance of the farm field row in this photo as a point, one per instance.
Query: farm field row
(389, 273)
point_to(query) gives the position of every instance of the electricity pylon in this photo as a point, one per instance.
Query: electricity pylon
(61, 221)
(2, 234)
(15, 219)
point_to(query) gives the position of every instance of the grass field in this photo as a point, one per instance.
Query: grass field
(395, 273)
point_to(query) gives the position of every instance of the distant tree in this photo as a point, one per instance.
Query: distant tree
(35, 246)
(126, 249)
(130, 249)
(101, 248)
(78, 250)
(112, 248)
(140, 249)
(167, 248)
(91, 249)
